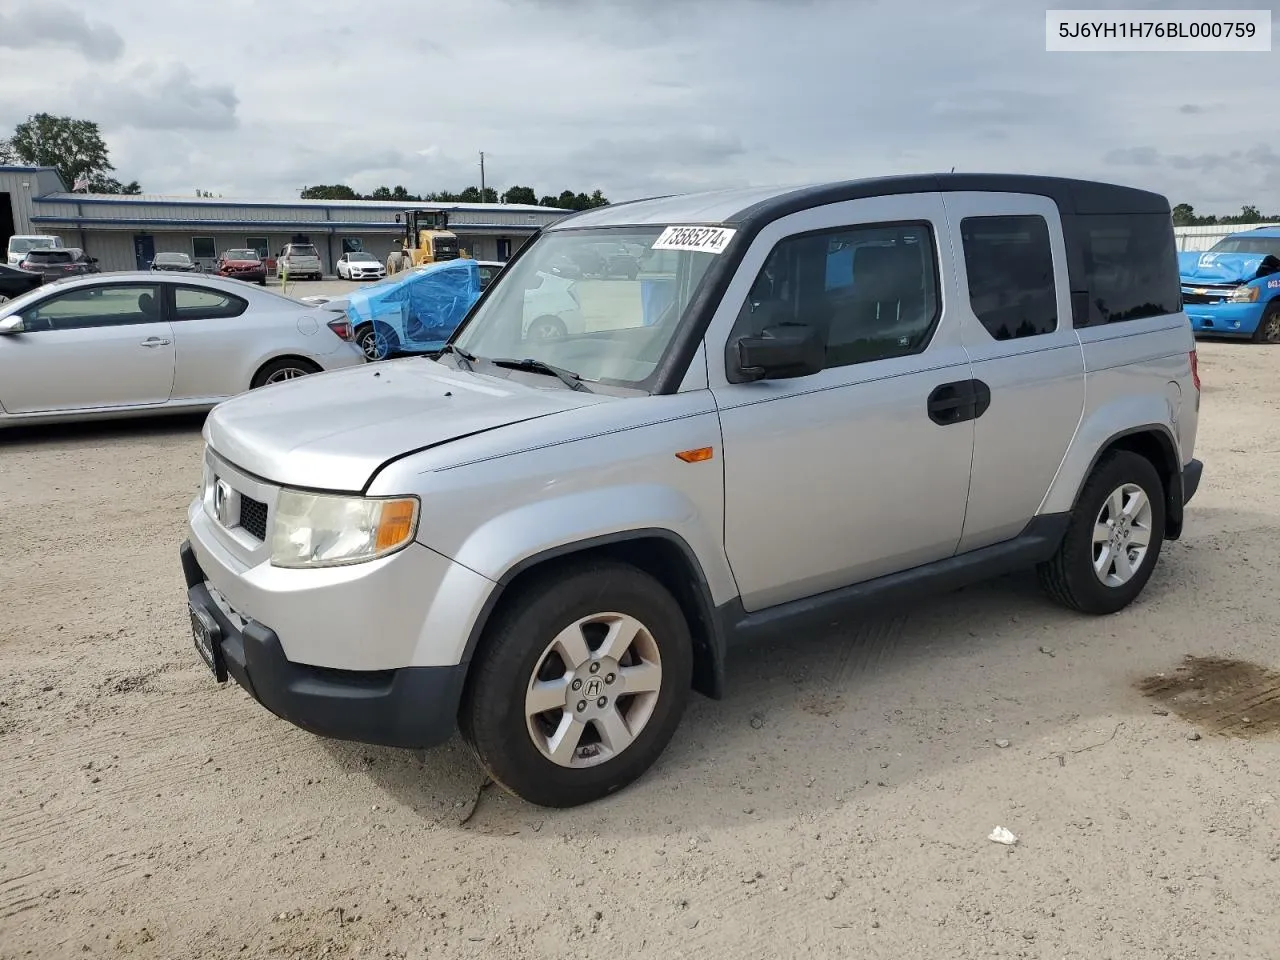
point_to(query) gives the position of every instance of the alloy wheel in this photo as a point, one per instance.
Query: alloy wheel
(593, 690)
(286, 373)
(1122, 535)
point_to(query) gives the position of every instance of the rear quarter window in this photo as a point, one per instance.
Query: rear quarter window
(1130, 267)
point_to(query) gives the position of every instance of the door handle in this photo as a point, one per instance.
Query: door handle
(156, 342)
(951, 403)
(958, 401)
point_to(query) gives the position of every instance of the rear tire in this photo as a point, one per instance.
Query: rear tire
(283, 369)
(1113, 540)
(606, 649)
(1268, 330)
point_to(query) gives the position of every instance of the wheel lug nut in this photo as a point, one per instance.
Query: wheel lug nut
(577, 684)
(610, 678)
(602, 702)
(582, 705)
(595, 668)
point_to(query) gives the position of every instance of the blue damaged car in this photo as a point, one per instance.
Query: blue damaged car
(1233, 288)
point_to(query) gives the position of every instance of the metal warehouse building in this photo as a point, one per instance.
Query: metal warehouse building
(126, 232)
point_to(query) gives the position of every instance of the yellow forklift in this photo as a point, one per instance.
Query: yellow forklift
(427, 239)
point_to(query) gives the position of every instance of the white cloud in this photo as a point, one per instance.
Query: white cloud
(643, 98)
(37, 26)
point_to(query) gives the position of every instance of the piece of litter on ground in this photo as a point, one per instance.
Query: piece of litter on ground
(1046, 651)
(1001, 835)
(1193, 735)
(1002, 743)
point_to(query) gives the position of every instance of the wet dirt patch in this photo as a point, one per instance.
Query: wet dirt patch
(1220, 695)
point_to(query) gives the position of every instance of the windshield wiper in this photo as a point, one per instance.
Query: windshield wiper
(462, 355)
(567, 377)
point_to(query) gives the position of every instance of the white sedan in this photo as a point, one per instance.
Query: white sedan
(360, 266)
(134, 344)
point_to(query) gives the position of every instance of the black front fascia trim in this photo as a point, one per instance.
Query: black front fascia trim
(709, 669)
(412, 707)
(1037, 543)
(1071, 197)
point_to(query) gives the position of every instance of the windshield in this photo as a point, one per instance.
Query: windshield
(561, 303)
(241, 254)
(300, 250)
(171, 258)
(1262, 245)
(362, 258)
(47, 255)
(24, 244)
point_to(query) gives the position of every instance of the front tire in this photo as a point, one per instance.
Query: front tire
(1113, 540)
(580, 683)
(548, 327)
(1268, 330)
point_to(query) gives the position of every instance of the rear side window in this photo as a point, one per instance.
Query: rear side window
(1009, 264)
(50, 256)
(1131, 266)
(196, 303)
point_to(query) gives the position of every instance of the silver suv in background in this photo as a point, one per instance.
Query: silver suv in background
(300, 261)
(812, 401)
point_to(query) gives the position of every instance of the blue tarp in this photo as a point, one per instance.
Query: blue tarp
(417, 311)
(655, 297)
(1219, 267)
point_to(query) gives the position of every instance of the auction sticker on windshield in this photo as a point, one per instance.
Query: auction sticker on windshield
(695, 239)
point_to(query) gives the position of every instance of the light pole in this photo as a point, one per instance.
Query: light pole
(482, 176)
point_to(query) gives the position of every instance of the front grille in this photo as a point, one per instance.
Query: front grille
(1211, 294)
(253, 517)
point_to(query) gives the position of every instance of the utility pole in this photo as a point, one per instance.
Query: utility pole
(482, 176)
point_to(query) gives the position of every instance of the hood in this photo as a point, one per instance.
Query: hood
(1221, 268)
(333, 431)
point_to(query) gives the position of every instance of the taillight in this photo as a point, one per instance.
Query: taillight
(1195, 371)
(343, 329)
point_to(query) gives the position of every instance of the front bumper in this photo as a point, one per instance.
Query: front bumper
(413, 707)
(1225, 319)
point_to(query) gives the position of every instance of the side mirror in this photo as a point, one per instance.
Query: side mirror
(12, 325)
(781, 352)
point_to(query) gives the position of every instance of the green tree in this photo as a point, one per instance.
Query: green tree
(329, 191)
(75, 148)
(520, 195)
(101, 184)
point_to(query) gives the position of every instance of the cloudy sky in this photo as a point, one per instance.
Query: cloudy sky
(256, 98)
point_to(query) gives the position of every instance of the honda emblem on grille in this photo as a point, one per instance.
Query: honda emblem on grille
(222, 502)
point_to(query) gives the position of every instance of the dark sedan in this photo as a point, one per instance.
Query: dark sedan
(243, 265)
(55, 264)
(15, 282)
(174, 263)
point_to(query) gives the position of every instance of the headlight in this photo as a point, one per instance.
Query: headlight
(1244, 295)
(320, 530)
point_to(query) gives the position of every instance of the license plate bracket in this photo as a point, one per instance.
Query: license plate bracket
(207, 636)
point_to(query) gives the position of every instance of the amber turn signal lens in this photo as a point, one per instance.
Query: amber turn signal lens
(696, 456)
(395, 523)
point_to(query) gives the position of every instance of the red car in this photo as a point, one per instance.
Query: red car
(243, 265)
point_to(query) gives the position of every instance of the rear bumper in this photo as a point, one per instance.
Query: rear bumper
(413, 707)
(1191, 479)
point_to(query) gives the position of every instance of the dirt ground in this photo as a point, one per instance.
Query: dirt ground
(837, 804)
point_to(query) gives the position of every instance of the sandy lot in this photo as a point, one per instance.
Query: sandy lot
(837, 804)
